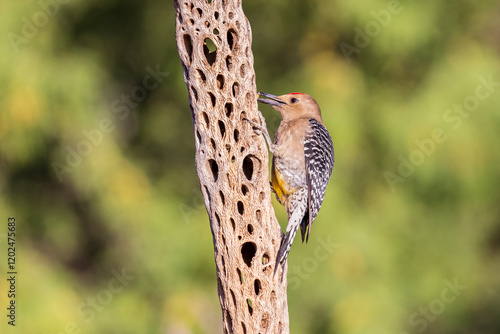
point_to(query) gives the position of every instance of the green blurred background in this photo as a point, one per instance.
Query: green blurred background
(103, 186)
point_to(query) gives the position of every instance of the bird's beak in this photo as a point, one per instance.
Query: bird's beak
(272, 100)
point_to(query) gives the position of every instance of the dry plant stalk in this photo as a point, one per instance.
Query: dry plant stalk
(214, 45)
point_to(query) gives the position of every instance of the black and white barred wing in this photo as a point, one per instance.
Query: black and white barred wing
(319, 157)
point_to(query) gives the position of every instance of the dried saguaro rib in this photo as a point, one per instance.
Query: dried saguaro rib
(214, 44)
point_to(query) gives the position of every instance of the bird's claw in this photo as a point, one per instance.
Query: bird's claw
(262, 129)
(257, 127)
(272, 189)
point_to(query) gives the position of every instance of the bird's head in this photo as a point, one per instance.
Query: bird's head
(293, 105)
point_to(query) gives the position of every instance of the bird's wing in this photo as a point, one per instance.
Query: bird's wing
(319, 158)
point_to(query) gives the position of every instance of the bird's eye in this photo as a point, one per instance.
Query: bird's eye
(294, 100)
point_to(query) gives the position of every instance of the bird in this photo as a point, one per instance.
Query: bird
(302, 164)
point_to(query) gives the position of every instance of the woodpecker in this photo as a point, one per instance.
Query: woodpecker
(303, 159)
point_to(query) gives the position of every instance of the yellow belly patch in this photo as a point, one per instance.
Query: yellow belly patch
(282, 189)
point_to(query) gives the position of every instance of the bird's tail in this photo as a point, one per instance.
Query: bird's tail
(286, 244)
(299, 208)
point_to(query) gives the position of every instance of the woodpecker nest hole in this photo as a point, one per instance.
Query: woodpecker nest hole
(214, 44)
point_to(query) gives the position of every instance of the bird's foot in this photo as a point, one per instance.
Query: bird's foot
(257, 127)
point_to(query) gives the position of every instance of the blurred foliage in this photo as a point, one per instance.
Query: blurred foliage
(130, 200)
